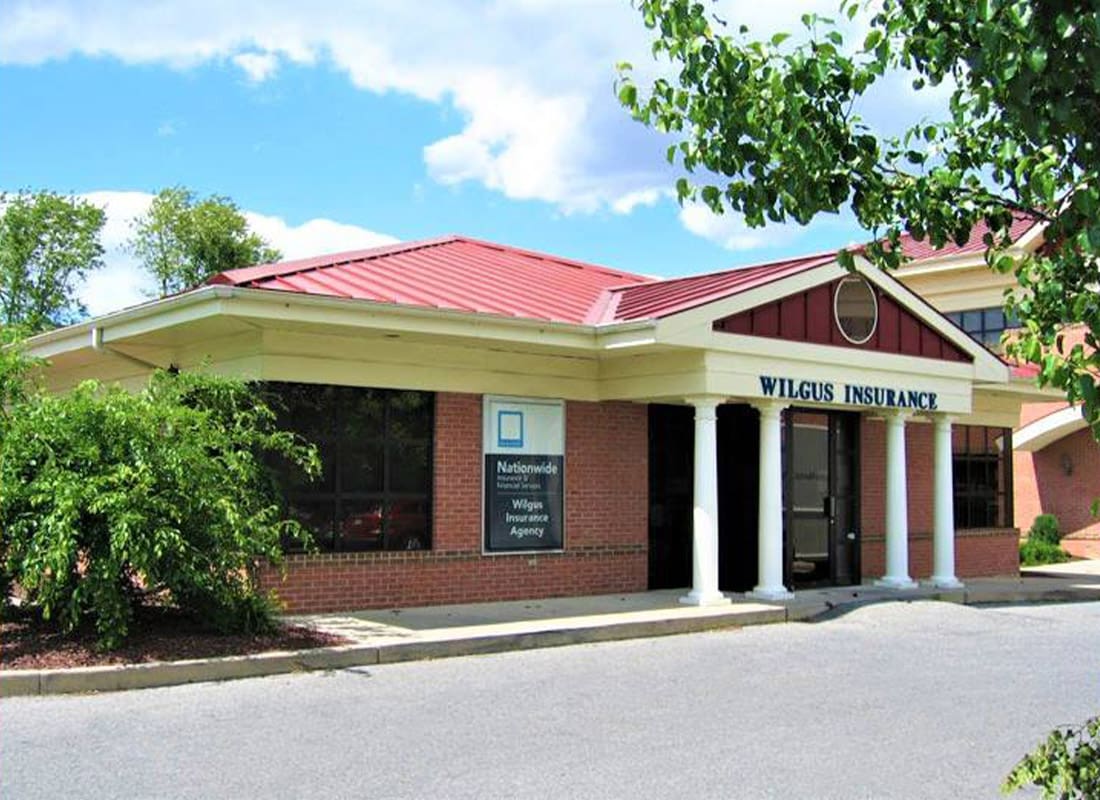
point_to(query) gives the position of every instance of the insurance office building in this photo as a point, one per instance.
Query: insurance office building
(501, 424)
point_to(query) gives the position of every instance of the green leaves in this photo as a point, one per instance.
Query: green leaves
(48, 243)
(109, 495)
(768, 130)
(1066, 765)
(182, 240)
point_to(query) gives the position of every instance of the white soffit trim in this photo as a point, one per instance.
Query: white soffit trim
(1046, 430)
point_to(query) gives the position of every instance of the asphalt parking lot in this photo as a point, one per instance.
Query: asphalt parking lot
(903, 700)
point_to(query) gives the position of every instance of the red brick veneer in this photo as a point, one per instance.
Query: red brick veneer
(1042, 486)
(978, 552)
(606, 535)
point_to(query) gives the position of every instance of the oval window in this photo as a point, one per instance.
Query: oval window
(855, 308)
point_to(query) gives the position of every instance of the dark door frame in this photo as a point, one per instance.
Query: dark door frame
(834, 423)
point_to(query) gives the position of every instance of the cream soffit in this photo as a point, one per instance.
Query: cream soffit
(1049, 429)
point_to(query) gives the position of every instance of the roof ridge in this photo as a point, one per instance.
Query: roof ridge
(569, 262)
(727, 270)
(281, 269)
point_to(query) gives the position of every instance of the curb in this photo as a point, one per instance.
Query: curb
(15, 683)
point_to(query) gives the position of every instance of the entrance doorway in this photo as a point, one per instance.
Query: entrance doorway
(821, 498)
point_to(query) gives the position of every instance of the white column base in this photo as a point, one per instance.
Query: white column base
(947, 582)
(695, 598)
(770, 593)
(896, 582)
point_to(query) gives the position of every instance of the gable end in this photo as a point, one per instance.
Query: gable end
(808, 317)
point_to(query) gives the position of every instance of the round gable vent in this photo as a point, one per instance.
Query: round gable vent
(855, 308)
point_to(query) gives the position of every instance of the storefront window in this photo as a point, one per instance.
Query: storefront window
(376, 452)
(982, 461)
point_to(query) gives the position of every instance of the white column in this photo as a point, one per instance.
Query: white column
(704, 552)
(897, 507)
(769, 575)
(943, 508)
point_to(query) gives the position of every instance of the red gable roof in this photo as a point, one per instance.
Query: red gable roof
(457, 273)
(452, 272)
(921, 250)
(673, 295)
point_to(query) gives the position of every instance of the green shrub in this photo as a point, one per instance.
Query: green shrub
(1036, 552)
(111, 496)
(1066, 765)
(1045, 528)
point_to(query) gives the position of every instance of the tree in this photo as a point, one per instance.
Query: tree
(111, 496)
(771, 130)
(48, 243)
(182, 240)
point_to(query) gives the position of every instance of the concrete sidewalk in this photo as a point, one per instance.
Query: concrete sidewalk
(388, 636)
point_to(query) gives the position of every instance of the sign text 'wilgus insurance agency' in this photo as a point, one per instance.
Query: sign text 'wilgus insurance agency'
(524, 474)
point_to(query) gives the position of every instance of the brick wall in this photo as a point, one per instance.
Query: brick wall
(1042, 486)
(978, 552)
(606, 530)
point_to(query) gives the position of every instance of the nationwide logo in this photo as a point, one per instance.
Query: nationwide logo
(522, 468)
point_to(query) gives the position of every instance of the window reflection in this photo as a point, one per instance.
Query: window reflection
(376, 453)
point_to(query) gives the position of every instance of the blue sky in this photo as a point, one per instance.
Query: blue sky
(357, 123)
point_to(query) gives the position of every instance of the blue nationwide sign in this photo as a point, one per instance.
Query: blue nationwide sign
(523, 502)
(851, 394)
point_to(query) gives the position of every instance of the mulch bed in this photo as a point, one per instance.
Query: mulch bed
(156, 634)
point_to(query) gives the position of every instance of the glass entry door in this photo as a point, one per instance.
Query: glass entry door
(821, 495)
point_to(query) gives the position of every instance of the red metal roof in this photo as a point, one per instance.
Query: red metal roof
(664, 298)
(457, 273)
(453, 273)
(920, 250)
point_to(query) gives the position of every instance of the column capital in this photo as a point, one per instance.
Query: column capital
(942, 418)
(705, 401)
(896, 415)
(769, 408)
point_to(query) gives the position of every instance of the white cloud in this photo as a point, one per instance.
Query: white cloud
(726, 230)
(531, 81)
(257, 66)
(314, 237)
(122, 283)
(645, 197)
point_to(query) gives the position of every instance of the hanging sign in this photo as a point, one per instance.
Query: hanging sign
(524, 450)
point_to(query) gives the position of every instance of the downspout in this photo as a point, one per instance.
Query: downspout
(99, 347)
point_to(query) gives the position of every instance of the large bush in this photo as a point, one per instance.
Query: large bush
(109, 496)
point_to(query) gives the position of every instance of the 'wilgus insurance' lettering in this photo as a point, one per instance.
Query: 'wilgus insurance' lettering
(854, 394)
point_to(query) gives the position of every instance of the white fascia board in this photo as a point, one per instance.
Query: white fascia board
(1049, 429)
